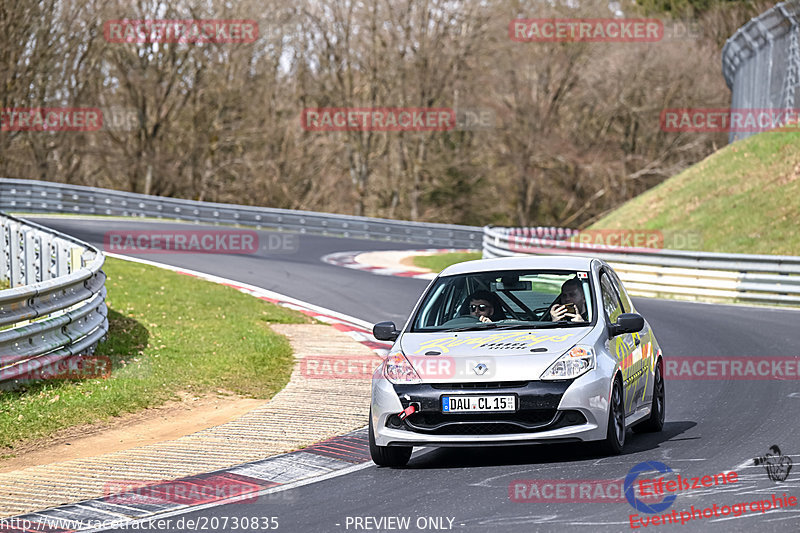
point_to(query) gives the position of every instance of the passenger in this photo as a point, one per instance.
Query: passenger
(571, 293)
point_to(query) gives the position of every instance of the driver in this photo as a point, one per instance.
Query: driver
(571, 293)
(485, 306)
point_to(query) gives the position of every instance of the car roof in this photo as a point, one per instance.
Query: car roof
(529, 262)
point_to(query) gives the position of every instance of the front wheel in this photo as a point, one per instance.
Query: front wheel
(393, 456)
(615, 436)
(655, 422)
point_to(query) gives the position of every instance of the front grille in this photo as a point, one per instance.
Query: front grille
(479, 429)
(480, 385)
(537, 408)
(437, 422)
(501, 423)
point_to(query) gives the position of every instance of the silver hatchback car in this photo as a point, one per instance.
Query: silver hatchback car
(517, 350)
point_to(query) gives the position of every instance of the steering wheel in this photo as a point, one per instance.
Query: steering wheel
(463, 320)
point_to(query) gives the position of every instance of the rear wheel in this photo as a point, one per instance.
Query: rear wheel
(393, 456)
(655, 422)
(615, 435)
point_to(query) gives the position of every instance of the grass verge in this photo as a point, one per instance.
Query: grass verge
(439, 262)
(168, 333)
(744, 198)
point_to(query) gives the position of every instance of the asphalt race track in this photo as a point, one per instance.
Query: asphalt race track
(711, 427)
(299, 273)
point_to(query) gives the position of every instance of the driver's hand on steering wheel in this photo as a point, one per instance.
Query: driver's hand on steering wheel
(484, 318)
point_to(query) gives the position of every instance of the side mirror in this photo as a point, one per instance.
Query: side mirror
(385, 331)
(627, 323)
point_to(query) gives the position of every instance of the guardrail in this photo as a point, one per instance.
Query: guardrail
(647, 272)
(55, 307)
(692, 275)
(44, 197)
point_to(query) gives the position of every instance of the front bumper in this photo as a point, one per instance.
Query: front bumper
(547, 411)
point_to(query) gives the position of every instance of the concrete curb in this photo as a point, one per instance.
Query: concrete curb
(387, 263)
(282, 428)
(244, 483)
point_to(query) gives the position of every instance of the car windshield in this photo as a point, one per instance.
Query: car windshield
(506, 299)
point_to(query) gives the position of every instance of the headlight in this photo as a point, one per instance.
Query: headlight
(398, 370)
(576, 362)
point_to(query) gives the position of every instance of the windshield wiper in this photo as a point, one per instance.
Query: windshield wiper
(527, 325)
(543, 325)
(563, 323)
(476, 327)
(497, 325)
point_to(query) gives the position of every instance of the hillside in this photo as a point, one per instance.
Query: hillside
(744, 198)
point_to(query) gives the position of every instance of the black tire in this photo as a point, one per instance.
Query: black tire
(615, 436)
(655, 422)
(393, 456)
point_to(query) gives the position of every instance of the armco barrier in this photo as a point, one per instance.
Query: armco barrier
(55, 307)
(683, 274)
(31, 196)
(771, 279)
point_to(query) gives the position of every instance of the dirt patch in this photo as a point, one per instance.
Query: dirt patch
(409, 262)
(170, 421)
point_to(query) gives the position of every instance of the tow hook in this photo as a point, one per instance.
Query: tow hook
(408, 411)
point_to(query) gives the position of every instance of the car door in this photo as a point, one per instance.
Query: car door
(645, 349)
(622, 346)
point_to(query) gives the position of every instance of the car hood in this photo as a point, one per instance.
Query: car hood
(518, 355)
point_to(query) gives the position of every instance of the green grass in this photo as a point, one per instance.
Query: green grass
(439, 262)
(744, 198)
(169, 333)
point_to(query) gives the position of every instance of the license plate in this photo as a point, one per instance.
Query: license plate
(478, 404)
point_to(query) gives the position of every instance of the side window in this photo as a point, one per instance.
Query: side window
(611, 301)
(627, 305)
(429, 315)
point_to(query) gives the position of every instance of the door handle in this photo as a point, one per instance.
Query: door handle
(637, 341)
